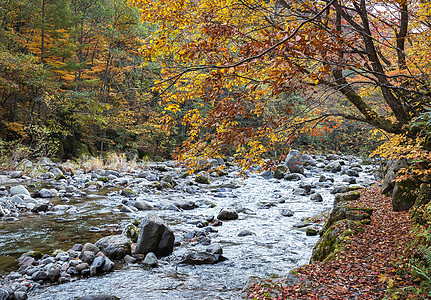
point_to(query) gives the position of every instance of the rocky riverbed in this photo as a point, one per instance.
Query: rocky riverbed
(224, 228)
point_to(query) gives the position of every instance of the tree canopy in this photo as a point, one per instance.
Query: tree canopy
(239, 60)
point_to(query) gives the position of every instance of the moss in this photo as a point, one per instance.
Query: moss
(35, 254)
(103, 179)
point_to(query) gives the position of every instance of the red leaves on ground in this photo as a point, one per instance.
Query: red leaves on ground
(373, 262)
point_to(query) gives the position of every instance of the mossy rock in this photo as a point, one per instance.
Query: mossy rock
(128, 193)
(200, 178)
(329, 242)
(103, 179)
(132, 232)
(292, 177)
(35, 254)
(354, 188)
(96, 183)
(280, 171)
(404, 195)
(311, 232)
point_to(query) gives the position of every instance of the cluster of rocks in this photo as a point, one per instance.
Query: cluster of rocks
(36, 269)
(153, 238)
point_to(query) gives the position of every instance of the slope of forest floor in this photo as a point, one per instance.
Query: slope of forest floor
(374, 264)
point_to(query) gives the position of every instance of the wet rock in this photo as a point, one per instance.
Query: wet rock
(316, 197)
(143, 205)
(352, 172)
(311, 232)
(334, 167)
(44, 193)
(114, 246)
(99, 297)
(293, 177)
(19, 190)
(286, 212)
(17, 200)
(185, 204)
(201, 258)
(155, 236)
(150, 259)
(10, 219)
(227, 214)
(299, 192)
(128, 193)
(126, 209)
(267, 174)
(202, 178)
(245, 233)
(214, 249)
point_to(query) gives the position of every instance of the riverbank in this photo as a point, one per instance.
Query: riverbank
(271, 231)
(373, 264)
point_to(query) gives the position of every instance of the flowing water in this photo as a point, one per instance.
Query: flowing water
(275, 247)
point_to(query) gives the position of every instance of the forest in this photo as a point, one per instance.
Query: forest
(228, 86)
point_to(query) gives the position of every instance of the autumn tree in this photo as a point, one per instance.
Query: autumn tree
(357, 60)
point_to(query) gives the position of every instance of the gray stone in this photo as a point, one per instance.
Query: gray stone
(17, 200)
(294, 162)
(108, 265)
(334, 166)
(130, 259)
(316, 197)
(39, 275)
(93, 270)
(54, 274)
(200, 258)
(214, 249)
(155, 236)
(81, 267)
(286, 212)
(88, 247)
(77, 247)
(19, 190)
(126, 209)
(15, 174)
(185, 204)
(245, 233)
(227, 214)
(98, 297)
(143, 205)
(98, 262)
(87, 256)
(4, 294)
(393, 166)
(114, 246)
(150, 259)
(45, 193)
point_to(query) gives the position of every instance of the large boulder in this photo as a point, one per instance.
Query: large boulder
(114, 246)
(155, 236)
(403, 195)
(294, 162)
(19, 190)
(391, 171)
